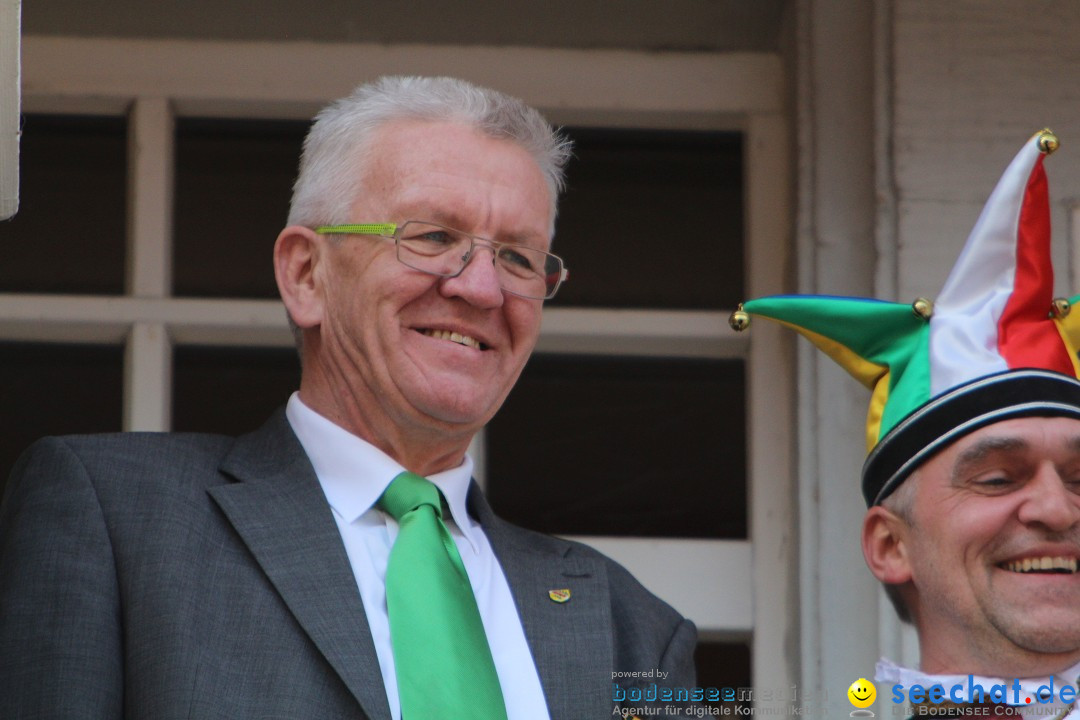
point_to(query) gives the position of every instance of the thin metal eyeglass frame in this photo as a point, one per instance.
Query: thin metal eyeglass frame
(391, 231)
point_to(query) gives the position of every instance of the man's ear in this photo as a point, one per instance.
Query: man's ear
(297, 253)
(885, 545)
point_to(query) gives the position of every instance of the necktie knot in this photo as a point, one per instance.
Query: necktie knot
(407, 492)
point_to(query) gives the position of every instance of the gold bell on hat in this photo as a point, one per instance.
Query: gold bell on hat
(923, 308)
(739, 320)
(1048, 141)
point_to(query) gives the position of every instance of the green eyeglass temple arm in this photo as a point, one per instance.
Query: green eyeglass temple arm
(363, 229)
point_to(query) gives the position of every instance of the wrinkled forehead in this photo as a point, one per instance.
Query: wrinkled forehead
(455, 171)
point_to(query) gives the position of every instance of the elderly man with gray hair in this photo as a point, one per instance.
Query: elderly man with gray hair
(340, 562)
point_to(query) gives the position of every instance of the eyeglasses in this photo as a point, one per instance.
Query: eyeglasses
(439, 250)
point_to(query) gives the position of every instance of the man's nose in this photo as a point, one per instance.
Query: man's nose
(1050, 502)
(478, 283)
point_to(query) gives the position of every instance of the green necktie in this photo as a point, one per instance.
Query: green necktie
(441, 655)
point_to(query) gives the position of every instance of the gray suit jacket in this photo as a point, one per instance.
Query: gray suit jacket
(192, 576)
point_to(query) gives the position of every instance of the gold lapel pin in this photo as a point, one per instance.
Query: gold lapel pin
(560, 596)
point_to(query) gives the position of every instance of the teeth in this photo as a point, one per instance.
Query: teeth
(1040, 564)
(453, 337)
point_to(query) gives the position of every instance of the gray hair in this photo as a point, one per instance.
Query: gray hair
(339, 141)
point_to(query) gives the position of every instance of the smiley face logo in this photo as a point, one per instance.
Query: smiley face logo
(862, 693)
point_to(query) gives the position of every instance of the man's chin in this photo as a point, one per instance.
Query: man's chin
(1046, 631)
(460, 411)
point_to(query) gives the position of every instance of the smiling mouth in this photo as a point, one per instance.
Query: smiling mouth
(1045, 564)
(454, 337)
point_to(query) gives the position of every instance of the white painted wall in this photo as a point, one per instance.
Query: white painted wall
(836, 255)
(957, 88)
(973, 81)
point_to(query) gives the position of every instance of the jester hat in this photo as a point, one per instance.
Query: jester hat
(995, 345)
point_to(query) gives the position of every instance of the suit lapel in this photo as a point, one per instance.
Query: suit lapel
(280, 512)
(571, 641)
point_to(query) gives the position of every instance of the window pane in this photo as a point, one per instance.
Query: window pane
(653, 219)
(723, 672)
(233, 185)
(56, 390)
(230, 390)
(622, 446)
(726, 665)
(69, 233)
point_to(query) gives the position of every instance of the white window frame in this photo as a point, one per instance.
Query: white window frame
(734, 590)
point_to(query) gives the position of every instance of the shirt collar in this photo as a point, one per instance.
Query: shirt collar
(888, 671)
(354, 473)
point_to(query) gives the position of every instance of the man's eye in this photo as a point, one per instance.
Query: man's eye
(433, 237)
(516, 260)
(993, 482)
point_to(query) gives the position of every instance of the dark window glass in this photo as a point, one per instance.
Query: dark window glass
(233, 185)
(653, 219)
(727, 666)
(230, 390)
(622, 446)
(69, 233)
(48, 389)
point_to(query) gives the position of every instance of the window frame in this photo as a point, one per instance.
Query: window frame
(735, 590)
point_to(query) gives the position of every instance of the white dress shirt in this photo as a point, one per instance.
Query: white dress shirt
(353, 474)
(890, 672)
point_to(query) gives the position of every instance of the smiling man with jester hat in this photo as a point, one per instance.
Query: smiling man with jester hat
(973, 474)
